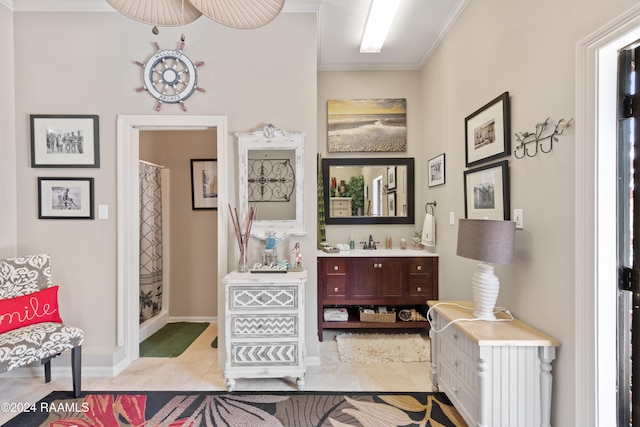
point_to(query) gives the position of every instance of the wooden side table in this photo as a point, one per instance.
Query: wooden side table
(495, 373)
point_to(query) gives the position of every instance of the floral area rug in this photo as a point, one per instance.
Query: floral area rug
(242, 409)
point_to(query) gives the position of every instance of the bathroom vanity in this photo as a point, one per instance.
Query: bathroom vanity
(392, 278)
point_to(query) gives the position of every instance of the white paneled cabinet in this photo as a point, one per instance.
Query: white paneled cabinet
(497, 374)
(264, 328)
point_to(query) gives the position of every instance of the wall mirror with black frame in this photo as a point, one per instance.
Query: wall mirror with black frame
(368, 190)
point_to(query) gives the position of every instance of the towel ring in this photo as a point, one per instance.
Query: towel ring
(433, 207)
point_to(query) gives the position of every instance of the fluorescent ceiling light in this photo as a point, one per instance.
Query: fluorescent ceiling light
(380, 18)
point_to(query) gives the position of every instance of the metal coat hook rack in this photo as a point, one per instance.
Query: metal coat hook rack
(538, 136)
(433, 207)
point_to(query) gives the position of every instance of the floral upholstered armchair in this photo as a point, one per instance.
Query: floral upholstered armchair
(30, 325)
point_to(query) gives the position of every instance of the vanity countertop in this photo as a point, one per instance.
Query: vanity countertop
(394, 252)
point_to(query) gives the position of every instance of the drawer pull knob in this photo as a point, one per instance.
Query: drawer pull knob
(455, 390)
(419, 289)
(419, 268)
(455, 336)
(335, 290)
(456, 363)
(335, 268)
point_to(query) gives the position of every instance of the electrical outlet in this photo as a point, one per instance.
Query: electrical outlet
(518, 217)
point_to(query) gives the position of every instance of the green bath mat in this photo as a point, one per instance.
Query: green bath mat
(172, 340)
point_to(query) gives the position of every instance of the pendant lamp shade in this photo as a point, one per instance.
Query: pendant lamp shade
(162, 13)
(242, 14)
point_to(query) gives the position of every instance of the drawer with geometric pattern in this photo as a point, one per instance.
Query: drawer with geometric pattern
(263, 325)
(261, 354)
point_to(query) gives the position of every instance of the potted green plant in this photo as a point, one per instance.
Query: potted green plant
(355, 190)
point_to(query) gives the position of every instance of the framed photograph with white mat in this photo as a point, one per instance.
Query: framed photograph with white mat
(486, 192)
(64, 141)
(65, 198)
(488, 132)
(435, 167)
(204, 184)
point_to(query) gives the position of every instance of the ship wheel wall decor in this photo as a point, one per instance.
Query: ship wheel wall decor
(170, 76)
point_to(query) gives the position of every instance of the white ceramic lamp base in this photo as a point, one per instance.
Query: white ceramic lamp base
(484, 287)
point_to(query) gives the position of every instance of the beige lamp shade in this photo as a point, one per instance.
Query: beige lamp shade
(486, 240)
(243, 14)
(162, 13)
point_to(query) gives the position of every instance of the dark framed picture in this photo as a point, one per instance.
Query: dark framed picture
(361, 125)
(64, 141)
(204, 184)
(486, 191)
(436, 171)
(392, 181)
(391, 204)
(488, 132)
(65, 198)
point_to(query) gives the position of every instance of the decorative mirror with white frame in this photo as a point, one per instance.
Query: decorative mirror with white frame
(271, 179)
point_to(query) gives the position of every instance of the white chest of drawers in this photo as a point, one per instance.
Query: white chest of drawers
(264, 326)
(497, 374)
(340, 206)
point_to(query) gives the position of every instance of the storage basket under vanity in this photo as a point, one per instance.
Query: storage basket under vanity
(377, 317)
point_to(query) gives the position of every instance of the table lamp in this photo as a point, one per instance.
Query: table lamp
(488, 241)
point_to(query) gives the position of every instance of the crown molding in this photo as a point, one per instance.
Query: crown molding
(7, 3)
(444, 30)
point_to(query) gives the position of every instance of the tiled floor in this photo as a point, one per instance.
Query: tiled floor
(197, 369)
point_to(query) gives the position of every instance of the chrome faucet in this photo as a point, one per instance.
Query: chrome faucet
(370, 245)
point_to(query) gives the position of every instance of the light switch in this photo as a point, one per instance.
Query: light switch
(103, 211)
(452, 218)
(518, 217)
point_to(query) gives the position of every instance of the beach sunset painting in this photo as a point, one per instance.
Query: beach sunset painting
(358, 125)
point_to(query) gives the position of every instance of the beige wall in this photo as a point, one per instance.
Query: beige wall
(193, 234)
(365, 85)
(528, 49)
(8, 213)
(83, 63)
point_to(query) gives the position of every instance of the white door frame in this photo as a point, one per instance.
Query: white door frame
(595, 213)
(128, 257)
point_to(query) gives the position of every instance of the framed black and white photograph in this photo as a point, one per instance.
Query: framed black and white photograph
(392, 182)
(486, 192)
(436, 171)
(65, 198)
(488, 132)
(391, 204)
(64, 141)
(204, 184)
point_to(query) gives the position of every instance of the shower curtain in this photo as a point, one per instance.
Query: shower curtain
(150, 241)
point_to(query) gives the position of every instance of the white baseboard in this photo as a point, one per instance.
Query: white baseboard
(153, 325)
(209, 319)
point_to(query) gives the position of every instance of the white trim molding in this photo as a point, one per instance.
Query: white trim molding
(127, 150)
(595, 213)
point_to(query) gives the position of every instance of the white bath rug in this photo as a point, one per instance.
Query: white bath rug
(383, 348)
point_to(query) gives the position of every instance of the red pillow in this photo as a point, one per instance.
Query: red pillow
(38, 307)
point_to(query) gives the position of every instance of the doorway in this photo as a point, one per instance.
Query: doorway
(127, 141)
(595, 213)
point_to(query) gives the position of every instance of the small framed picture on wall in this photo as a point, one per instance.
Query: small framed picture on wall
(488, 132)
(64, 141)
(65, 198)
(436, 171)
(204, 184)
(486, 192)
